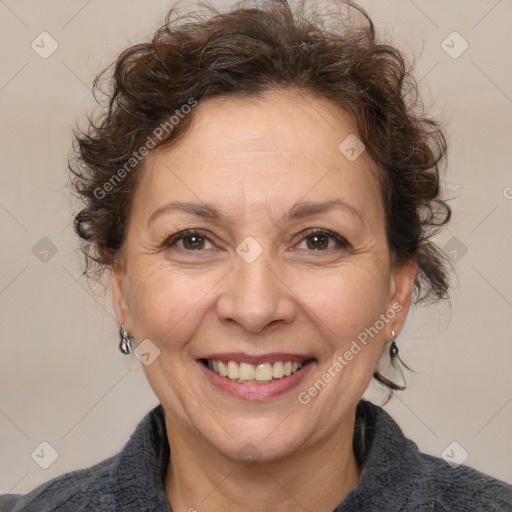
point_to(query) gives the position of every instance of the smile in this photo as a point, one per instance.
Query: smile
(261, 373)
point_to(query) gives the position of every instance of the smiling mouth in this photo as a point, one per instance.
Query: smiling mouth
(263, 373)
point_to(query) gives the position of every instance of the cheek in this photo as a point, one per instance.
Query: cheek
(167, 303)
(346, 300)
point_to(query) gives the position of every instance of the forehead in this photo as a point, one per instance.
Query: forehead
(270, 151)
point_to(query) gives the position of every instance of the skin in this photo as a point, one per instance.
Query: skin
(254, 159)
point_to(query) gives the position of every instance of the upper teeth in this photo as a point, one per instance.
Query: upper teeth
(260, 372)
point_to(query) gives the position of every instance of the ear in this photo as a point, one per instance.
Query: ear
(402, 282)
(119, 296)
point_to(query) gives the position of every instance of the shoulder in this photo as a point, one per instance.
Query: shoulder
(126, 481)
(397, 473)
(84, 489)
(463, 488)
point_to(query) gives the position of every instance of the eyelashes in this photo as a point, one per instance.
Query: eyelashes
(201, 235)
(342, 242)
(183, 235)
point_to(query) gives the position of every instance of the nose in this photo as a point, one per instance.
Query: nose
(255, 295)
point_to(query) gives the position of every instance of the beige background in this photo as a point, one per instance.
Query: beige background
(62, 379)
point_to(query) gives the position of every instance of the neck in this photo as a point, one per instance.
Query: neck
(317, 477)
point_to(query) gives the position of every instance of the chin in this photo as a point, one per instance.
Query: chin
(258, 439)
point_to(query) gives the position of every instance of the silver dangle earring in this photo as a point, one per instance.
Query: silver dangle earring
(124, 345)
(393, 349)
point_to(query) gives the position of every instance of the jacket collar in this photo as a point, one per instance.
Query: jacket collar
(393, 475)
(138, 472)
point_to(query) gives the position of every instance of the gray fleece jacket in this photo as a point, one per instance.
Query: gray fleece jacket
(396, 476)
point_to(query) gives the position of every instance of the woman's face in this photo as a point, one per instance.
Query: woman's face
(259, 283)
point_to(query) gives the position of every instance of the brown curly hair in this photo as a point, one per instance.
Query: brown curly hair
(245, 52)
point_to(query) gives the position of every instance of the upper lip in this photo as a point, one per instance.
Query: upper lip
(242, 357)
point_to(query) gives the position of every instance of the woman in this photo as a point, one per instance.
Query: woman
(263, 196)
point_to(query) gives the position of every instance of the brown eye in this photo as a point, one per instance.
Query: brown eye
(318, 240)
(191, 240)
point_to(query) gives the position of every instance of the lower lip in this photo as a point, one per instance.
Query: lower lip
(256, 392)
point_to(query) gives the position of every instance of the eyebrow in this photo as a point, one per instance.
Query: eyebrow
(297, 211)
